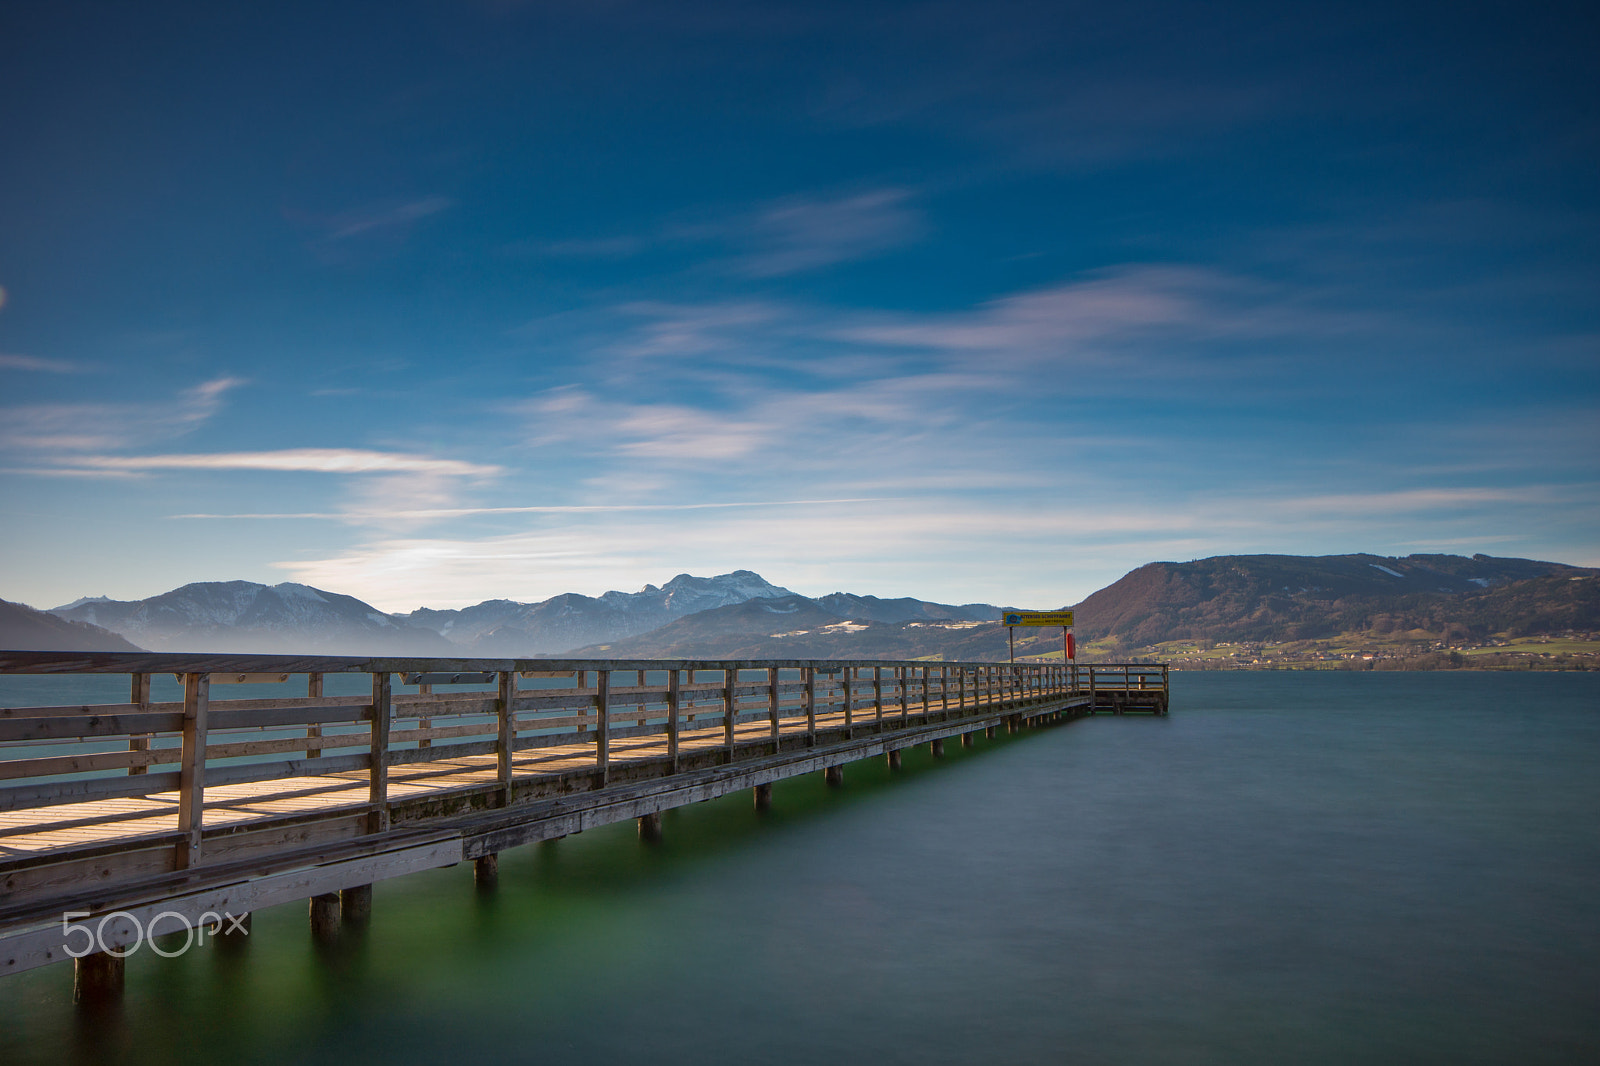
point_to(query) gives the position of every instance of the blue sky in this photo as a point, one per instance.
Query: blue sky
(430, 303)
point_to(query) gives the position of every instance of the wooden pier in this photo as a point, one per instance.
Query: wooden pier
(200, 810)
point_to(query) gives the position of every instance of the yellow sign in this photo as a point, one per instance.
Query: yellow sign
(1036, 618)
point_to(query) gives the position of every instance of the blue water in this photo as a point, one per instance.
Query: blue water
(1306, 868)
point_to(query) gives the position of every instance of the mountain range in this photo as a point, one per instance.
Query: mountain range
(1238, 598)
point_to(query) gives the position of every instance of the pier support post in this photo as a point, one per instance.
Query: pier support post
(97, 979)
(938, 748)
(988, 732)
(486, 871)
(325, 917)
(650, 827)
(834, 776)
(894, 759)
(967, 741)
(763, 797)
(355, 905)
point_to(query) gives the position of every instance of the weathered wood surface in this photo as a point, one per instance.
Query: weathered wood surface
(193, 789)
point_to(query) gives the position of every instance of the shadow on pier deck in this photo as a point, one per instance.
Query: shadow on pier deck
(197, 812)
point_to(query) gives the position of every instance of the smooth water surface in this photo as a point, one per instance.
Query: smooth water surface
(1296, 867)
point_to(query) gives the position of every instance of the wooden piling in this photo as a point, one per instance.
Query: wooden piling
(894, 758)
(97, 979)
(192, 775)
(486, 871)
(355, 905)
(763, 797)
(834, 776)
(325, 917)
(967, 741)
(650, 827)
(937, 747)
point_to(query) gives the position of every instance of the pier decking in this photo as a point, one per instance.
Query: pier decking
(210, 806)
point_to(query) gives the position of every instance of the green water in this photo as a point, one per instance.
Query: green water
(1307, 868)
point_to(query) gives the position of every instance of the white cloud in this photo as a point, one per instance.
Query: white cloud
(103, 426)
(33, 362)
(807, 233)
(382, 216)
(305, 460)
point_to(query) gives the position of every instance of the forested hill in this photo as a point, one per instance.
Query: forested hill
(1275, 598)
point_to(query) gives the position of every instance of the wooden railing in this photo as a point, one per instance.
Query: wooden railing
(268, 778)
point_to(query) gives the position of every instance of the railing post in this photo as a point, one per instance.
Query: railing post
(192, 772)
(602, 734)
(314, 729)
(811, 705)
(425, 689)
(772, 705)
(730, 678)
(506, 737)
(378, 781)
(674, 695)
(877, 698)
(903, 680)
(139, 695)
(845, 681)
(944, 693)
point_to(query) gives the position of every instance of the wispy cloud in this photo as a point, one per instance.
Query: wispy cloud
(369, 219)
(383, 216)
(807, 233)
(377, 229)
(49, 428)
(300, 460)
(790, 235)
(33, 362)
(1055, 550)
(576, 509)
(1164, 309)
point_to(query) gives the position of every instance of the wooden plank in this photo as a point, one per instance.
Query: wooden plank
(239, 709)
(280, 745)
(506, 734)
(73, 728)
(192, 769)
(55, 793)
(602, 703)
(291, 717)
(437, 732)
(313, 729)
(278, 770)
(674, 696)
(49, 765)
(139, 696)
(378, 768)
(774, 701)
(810, 675)
(447, 752)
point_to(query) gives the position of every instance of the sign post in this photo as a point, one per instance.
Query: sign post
(1012, 619)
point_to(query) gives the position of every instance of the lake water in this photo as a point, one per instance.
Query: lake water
(1293, 867)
